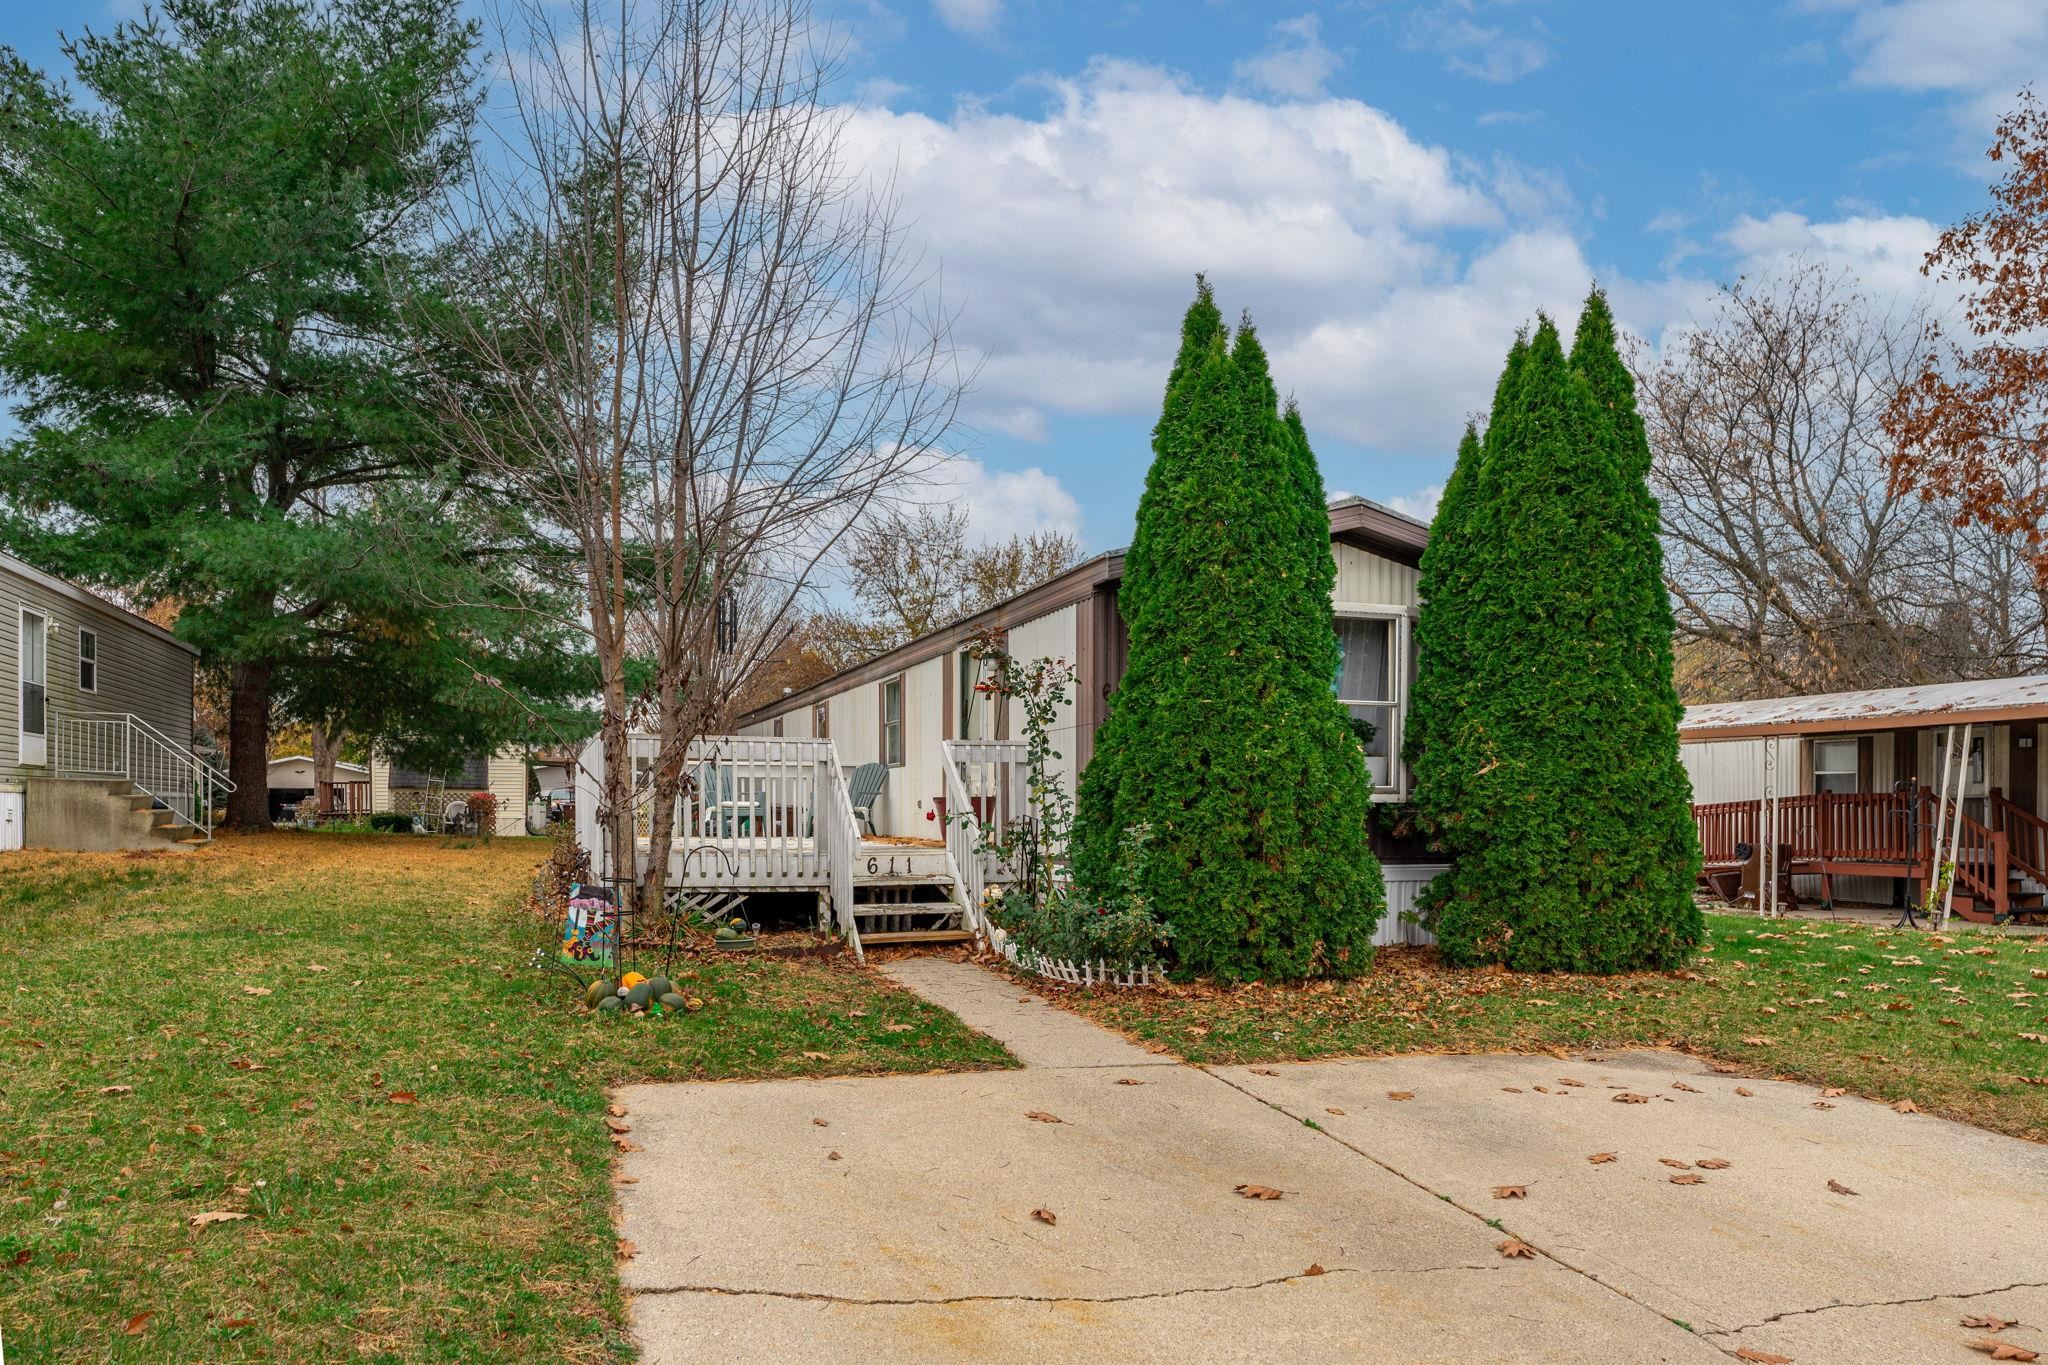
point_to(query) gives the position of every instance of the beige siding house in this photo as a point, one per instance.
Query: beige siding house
(502, 774)
(899, 708)
(97, 751)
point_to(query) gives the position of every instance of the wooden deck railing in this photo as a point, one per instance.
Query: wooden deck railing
(758, 798)
(1880, 834)
(984, 780)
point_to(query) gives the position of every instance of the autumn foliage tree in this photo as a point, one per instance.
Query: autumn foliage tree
(1972, 425)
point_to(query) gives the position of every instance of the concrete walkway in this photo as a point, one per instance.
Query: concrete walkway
(898, 1218)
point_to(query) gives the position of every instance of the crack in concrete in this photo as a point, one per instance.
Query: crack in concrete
(1874, 1303)
(807, 1296)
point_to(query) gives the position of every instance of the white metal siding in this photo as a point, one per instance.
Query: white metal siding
(1405, 882)
(1052, 636)
(1367, 578)
(1733, 769)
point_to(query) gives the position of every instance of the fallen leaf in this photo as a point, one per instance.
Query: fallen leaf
(1712, 1163)
(1681, 1085)
(1566, 1080)
(817, 1056)
(1259, 1192)
(627, 1179)
(1128, 1081)
(1745, 1092)
(627, 1251)
(1264, 1071)
(404, 1097)
(1045, 1216)
(255, 990)
(1601, 1158)
(1316, 1269)
(617, 1111)
(1338, 1112)
(1760, 1041)
(617, 1125)
(832, 1156)
(1756, 1357)
(1511, 1089)
(626, 1144)
(1905, 1107)
(2002, 1350)
(1630, 1097)
(117, 1090)
(1510, 1192)
(316, 967)
(1688, 1178)
(1674, 1163)
(233, 1324)
(1514, 1248)
(1985, 1322)
(1725, 1068)
(212, 1216)
(820, 1123)
(898, 1028)
(1832, 1091)
(1839, 1188)
(139, 1324)
(1822, 1104)
(1400, 1094)
(1040, 1116)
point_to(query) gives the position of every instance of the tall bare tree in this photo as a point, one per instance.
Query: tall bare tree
(1796, 561)
(707, 352)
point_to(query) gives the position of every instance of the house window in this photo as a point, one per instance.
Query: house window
(892, 722)
(88, 661)
(821, 721)
(1370, 681)
(1834, 765)
(472, 774)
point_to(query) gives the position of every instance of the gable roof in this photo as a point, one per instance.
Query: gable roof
(1886, 708)
(65, 588)
(1358, 522)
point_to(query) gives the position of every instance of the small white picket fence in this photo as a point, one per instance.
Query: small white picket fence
(1074, 973)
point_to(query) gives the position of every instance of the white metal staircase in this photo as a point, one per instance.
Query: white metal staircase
(117, 747)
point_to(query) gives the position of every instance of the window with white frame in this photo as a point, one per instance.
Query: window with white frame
(1371, 682)
(821, 721)
(1834, 765)
(892, 722)
(977, 699)
(88, 660)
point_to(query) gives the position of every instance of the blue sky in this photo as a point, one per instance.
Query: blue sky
(1391, 188)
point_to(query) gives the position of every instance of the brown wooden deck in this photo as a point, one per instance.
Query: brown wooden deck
(1999, 865)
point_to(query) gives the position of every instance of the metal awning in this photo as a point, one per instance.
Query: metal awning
(1991, 701)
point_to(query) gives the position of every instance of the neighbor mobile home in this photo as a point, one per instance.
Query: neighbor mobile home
(1857, 776)
(767, 814)
(100, 753)
(414, 791)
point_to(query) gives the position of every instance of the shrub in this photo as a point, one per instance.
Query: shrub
(1120, 930)
(1225, 740)
(483, 813)
(390, 822)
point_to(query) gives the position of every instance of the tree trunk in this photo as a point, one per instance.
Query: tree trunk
(326, 749)
(249, 747)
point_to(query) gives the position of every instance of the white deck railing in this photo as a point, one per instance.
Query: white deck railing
(984, 791)
(755, 800)
(115, 746)
(839, 840)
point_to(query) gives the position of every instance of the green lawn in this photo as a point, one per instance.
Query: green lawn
(1959, 1027)
(337, 1036)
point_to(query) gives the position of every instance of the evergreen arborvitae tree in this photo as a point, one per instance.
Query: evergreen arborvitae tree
(1225, 739)
(1564, 856)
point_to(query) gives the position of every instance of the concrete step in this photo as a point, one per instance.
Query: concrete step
(915, 936)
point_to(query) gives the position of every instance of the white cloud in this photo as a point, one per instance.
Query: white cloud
(1981, 52)
(1421, 504)
(975, 18)
(1486, 52)
(1883, 252)
(1002, 503)
(880, 92)
(1295, 63)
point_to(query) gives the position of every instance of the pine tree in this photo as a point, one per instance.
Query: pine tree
(1225, 739)
(1551, 738)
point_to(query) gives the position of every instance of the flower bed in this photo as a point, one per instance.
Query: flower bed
(1075, 973)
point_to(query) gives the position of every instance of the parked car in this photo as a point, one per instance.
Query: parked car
(561, 804)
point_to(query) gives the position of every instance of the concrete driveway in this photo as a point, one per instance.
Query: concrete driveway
(895, 1218)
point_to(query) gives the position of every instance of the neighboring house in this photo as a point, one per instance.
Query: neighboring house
(292, 780)
(899, 707)
(1856, 774)
(410, 790)
(99, 754)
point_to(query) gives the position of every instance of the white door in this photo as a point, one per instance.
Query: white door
(35, 662)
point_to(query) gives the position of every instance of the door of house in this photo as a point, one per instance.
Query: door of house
(34, 712)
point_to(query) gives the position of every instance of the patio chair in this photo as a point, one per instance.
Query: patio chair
(864, 789)
(718, 789)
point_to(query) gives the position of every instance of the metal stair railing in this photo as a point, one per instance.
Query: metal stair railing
(117, 746)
